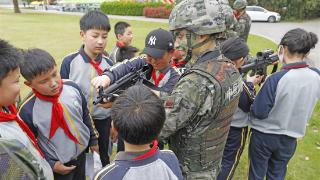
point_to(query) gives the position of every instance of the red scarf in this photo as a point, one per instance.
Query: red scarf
(149, 153)
(236, 15)
(120, 44)
(6, 117)
(178, 63)
(155, 79)
(57, 118)
(96, 66)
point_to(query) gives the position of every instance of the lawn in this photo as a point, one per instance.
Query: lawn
(59, 35)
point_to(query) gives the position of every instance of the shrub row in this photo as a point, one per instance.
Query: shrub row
(156, 12)
(134, 8)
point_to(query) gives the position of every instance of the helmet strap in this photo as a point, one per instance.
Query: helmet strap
(189, 51)
(191, 47)
(202, 43)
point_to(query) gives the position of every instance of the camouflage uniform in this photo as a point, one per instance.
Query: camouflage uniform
(244, 22)
(202, 103)
(17, 162)
(230, 20)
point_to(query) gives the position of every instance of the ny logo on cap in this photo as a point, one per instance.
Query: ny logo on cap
(152, 40)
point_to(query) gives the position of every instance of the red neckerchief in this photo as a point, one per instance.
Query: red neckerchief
(6, 117)
(295, 67)
(178, 63)
(155, 79)
(57, 118)
(96, 66)
(151, 152)
(120, 44)
(236, 15)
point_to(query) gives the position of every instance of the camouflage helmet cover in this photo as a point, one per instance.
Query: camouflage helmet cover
(199, 16)
(240, 4)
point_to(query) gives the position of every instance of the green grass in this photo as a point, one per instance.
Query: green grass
(59, 35)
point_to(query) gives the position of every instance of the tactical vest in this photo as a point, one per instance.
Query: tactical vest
(199, 145)
(17, 162)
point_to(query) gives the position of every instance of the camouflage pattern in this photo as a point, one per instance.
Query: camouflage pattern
(240, 4)
(177, 1)
(230, 22)
(198, 121)
(198, 16)
(243, 26)
(17, 162)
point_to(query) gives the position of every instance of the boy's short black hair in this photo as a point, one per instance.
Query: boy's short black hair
(94, 20)
(10, 59)
(120, 28)
(36, 62)
(127, 52)
(138, 115)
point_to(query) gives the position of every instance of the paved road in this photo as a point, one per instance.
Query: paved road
(275, 31)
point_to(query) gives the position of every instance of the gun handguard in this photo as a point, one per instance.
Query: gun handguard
(116, 88)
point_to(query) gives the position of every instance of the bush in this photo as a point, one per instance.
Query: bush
(128, 8)
(156, 12)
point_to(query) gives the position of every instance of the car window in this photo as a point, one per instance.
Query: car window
(249, 9)
(259, 9)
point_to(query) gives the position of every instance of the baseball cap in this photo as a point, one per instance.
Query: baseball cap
(158, 42)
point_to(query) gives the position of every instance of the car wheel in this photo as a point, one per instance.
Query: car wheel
(272, 19)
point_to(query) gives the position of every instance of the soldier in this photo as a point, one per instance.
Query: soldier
(231, 22)
(244, 21)
(200, 108)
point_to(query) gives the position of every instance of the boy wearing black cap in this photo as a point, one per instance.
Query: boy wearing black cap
(158, 51)
(237, 50)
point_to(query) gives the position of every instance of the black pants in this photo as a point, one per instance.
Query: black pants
(78, 173)
(103, 128)
(232, 152)
(269, 155)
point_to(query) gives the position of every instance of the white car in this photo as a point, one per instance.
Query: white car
(258, 13)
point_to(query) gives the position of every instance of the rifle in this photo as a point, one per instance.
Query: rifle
(258, 65)
(119, 86)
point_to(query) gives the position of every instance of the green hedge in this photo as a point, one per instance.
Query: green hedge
(128, 8)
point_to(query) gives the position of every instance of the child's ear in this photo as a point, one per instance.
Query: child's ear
(119, 36)
(82, 34)
(28, 83)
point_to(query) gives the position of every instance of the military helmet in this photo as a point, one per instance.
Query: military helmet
(239, 4)
(198, 16)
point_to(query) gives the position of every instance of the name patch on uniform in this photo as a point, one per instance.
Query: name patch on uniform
(234, 90)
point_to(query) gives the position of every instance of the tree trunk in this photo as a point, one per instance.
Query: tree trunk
(16, 6)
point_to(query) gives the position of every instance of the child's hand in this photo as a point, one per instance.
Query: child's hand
(62, 169)
(256, 79)
(105, 105)
(103, 81)
(95, 148)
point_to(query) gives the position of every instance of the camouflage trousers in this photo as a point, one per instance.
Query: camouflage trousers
(201, 175)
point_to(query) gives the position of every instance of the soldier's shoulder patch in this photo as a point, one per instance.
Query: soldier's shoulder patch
(169, 103)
